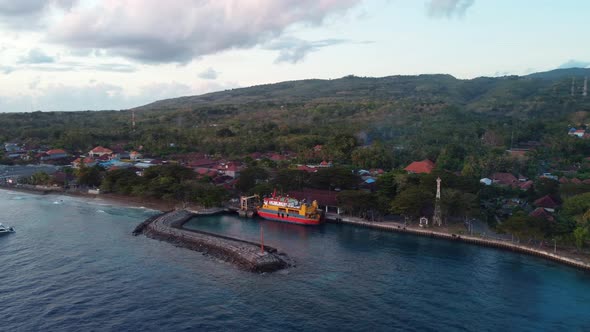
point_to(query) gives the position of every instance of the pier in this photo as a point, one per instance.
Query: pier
(396, 227)
(248, 255)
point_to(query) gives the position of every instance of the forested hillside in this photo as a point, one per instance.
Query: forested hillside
(398, 118)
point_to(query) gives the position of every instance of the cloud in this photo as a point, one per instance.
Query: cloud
(154, 31)
(294, 50)
(100, 96)
(575, 64)
(38, 61)
(6, 69)
(36, 56)
(31, 7)
(448, 8)
(209, 74)
(28, 14)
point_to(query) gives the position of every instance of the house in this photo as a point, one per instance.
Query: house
(580, 133)
(486, 181)
(318, 148)
(205, 172)
(134, 155)
(306, 169)
(230, 169)
(100, 151)
(277, 157)
(54, 154)
(504, 179)
(325, 164)
(122, 155)
(526, 185)
(541, 213)
(88, 162)
(202, 163)
(420, 167)
(576, 181)
(547, 202)
(12, 147)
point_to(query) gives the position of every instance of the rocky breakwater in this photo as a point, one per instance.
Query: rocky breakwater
(245, 254)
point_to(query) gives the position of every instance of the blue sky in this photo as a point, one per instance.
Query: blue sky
(65, 55)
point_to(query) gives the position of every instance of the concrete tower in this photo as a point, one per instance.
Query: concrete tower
(437, 218)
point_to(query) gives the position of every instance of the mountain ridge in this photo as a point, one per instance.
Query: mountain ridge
(353, 88)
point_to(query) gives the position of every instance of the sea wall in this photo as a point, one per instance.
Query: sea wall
(467, 239)
(245, 254)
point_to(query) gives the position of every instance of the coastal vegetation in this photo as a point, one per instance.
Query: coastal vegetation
(470, 129)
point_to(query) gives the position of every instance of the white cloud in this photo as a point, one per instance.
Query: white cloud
(36, 56)
(179, 31)
(209, 74)
(99, 96)
(448, 8)
(294, 50)
(575, 64)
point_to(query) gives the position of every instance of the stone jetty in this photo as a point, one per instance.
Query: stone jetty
(245, 254)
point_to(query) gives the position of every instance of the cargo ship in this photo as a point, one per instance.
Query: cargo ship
(288, 209)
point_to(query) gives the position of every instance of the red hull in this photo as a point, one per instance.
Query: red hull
(295, 220)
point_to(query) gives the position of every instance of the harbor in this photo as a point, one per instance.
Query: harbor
(251, 256)
(493, 243)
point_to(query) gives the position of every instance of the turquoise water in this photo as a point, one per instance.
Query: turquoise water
(73, 265)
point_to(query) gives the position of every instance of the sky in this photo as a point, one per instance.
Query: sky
(69, 55)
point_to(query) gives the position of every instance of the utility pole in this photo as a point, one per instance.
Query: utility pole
(585, 93)
(573, 86)
(133, 120)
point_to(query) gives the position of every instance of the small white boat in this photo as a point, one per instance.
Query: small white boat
(5, 229)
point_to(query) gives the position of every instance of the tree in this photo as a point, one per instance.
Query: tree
(250, 177)
(355, 201)
(412, 202)
(89, 176)
(581, 235)
(544, 186)
(576, 206)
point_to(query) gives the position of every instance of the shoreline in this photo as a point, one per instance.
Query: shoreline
(568, 260)
(111, 199)
(161, 206)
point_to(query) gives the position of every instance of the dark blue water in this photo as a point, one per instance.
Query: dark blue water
(73, 266)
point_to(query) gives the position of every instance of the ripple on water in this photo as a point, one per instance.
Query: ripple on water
(74, 266)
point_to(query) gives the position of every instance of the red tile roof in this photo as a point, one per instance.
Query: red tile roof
(526, 185)
(201, 163)
(424, 166)
(100, 149)
(307, 169)
(542, 214)
(506, 179)
(56, 151)
(546, 202)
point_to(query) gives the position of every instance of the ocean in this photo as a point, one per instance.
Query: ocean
(73, 265)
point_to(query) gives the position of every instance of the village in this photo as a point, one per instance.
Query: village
(513, 193)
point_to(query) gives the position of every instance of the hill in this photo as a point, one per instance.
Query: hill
(484, 94)
(389, 120)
